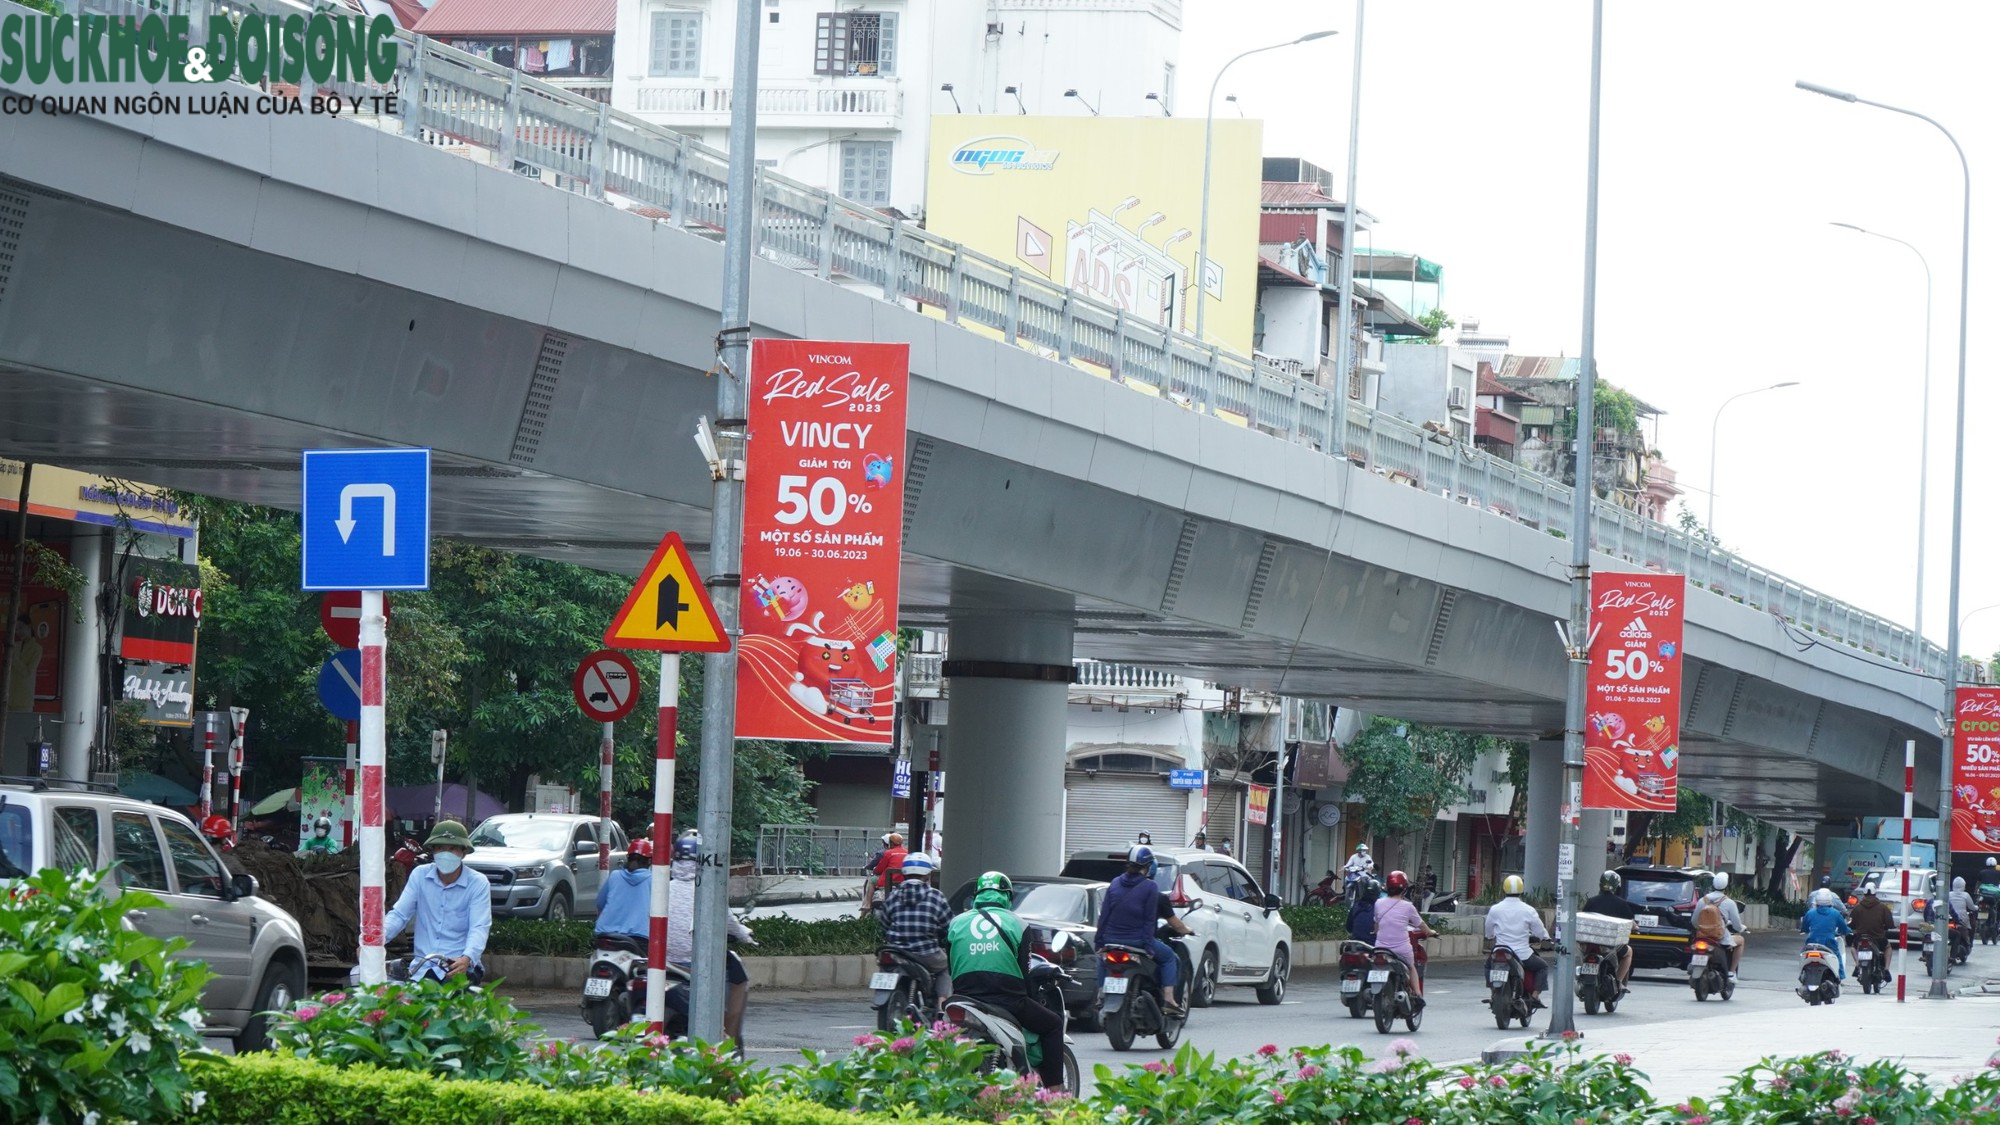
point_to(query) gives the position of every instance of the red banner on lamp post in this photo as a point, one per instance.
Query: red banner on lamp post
(1632, 704)
(1975, 776)
(822, 540)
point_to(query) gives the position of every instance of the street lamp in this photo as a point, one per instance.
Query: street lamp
(1715, 431)
(1207, 156)
(1923, 442)
(1939, 989)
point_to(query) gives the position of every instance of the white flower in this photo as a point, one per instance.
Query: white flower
(97, 1003)
(140, 1042)
(71, 945)
(197, 1099)
(110, 971)
(74, 1015)
(90, 1118)
(117, 1024)
(190, 1017)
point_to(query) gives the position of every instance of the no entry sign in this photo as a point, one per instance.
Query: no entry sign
(340, 616)
(606, 685)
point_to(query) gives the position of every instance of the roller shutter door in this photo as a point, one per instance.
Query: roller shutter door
(1107, 812)
(1225, 804)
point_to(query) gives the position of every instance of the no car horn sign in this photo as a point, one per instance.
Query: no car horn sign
(606, 685)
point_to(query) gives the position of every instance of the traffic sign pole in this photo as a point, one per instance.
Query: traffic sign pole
(663, 841)
(347, 809)
(374, 645)
(604, 748)
(208, 766)
(239, 721)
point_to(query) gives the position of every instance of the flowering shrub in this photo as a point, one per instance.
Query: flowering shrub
(1552, 1083)
(1313, 1084)
(1829, 1087)
(933, 1070)
(443, 1029)
(633, 1057)
(95, 1018)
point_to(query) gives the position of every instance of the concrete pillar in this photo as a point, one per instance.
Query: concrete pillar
(1545, 769)
(1593, 831)
(82, 638)
(1009, 669)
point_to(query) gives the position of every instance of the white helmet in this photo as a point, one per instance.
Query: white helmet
(1722, 880)
(918, 865)
(1361, 847)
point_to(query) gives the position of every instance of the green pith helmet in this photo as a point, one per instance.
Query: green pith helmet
(448, 834)
(994, 881)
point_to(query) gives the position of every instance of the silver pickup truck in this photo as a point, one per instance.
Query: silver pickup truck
(542, 865)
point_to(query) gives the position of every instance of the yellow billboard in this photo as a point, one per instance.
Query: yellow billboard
(1109, 206)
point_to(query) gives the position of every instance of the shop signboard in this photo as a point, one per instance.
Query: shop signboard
(1260, 804)
(1975, 770)
(822, 540)
(1632, 713)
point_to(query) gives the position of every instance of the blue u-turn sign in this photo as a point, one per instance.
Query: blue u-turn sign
(367, 519)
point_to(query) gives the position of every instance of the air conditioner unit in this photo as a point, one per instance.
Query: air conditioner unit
(1457, 398)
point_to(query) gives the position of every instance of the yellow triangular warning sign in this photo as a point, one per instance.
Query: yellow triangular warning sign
(668, 609)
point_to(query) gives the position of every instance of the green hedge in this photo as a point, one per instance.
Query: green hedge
(276, 1090)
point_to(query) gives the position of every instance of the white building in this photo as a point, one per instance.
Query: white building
(846, 92)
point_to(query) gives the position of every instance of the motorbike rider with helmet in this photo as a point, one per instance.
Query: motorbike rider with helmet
(321, 839)
(1134, 906)
(989, 948)
(883, 872)
(916, 920)
(1717, 919)
(219, 832)
(1361, 917)
(1989, 887)
(1513, 923)
(625, 897)
(682, 874)
(1611, 902)
(1396, 917)
(1961, 903)
(1871, 918)
(1824, 925)
(450, 904)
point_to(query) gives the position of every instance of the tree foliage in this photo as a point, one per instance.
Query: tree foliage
(1434, 322)
(486, 654)
(1406, 772)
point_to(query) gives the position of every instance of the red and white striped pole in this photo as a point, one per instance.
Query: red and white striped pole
(239, 723)
(348, 812)
(1903, 924)
(663, 843)
(208, 766)
(374, 645)
(604, 750)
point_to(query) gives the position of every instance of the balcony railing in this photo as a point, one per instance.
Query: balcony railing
(453, 99)
(837, 98)
(1127, 677)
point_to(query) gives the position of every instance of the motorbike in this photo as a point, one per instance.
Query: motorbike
(1507, 986)
(903, 989)
(1597, 983)
(614, 992)
(1439, 902)
(1708, 970)
(1871, 967)
(410, 855)
(996, 1027)
(1819, 980)
(1989, 919)
(1131, 1000)
(1389, 989)
(435, 967)
(1961, 942)
(1355, 994)
(1326, 894)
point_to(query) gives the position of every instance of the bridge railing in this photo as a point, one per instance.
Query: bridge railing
(496, 114)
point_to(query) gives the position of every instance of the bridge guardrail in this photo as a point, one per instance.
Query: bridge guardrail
(593, 149)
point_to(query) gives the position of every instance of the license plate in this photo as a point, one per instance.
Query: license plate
(1698, 961)
(597, 987)
(1646, 920)
(1350, 985)
(1497, 977)
(1866, 955)
(1116, 986)
(884, 982)
(1378, 976)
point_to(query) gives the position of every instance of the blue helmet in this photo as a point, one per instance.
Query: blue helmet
(1140, 856)
(688, 846)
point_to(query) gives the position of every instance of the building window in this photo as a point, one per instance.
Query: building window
(676, 45)
(864, 172)
(855, 43)
(1124, 763)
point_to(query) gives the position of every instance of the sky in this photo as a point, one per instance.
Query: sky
(1718, 271)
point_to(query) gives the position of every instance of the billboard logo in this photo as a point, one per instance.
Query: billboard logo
(982, 156)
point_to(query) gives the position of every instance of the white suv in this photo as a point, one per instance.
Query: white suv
(1239, 937)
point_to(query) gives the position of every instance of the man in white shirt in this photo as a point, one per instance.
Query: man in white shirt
(1516, 925)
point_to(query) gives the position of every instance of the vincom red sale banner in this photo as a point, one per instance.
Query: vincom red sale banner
(1975, 771)
(822, 540)
(1632, 705)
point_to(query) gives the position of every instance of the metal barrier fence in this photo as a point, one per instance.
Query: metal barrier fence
(815, 849)
(452, 98)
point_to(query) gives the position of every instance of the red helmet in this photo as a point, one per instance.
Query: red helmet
(1398, 881)
(217, 828)
(641, 847)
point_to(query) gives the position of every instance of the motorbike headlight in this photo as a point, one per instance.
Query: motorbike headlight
(534, 872)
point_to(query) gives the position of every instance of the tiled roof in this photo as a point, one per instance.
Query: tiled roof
(501, 18)
(1278, 193)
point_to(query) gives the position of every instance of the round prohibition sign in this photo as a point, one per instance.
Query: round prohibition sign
(606, 685)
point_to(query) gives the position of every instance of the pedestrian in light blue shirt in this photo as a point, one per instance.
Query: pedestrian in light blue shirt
(451, 904)
(625, 898)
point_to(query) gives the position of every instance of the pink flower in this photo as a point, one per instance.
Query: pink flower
(1414, 1121)
(1157, 1067)
(1622, 1059)
(1780, 1082)
(1572, 1036)
(1268, 1049)
(904, 1045)
(868, 1041)
(1467, 1082)
(1310, 1071)
(374, 1018)
(1403, 1048)
(1520, 1069)
(1835, 1056)
(1278, 1096)
(1047, 1096)
(335, 998)
(308, 1012)
(1496, 1082)
(1866, 1120)
(990, 1092)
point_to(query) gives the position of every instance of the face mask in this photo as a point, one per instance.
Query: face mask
(447, 863)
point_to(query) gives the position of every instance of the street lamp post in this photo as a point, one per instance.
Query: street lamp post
(1207, 156)
(1939, 988)
(1923, 442)
(1715, 432)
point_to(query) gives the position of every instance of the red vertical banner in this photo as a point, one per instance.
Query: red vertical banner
(1632, 705)
(822, 540)
(1975, 771)
(1260, 804)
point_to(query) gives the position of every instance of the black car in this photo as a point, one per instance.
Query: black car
(1049, 904)
(1665, 899)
